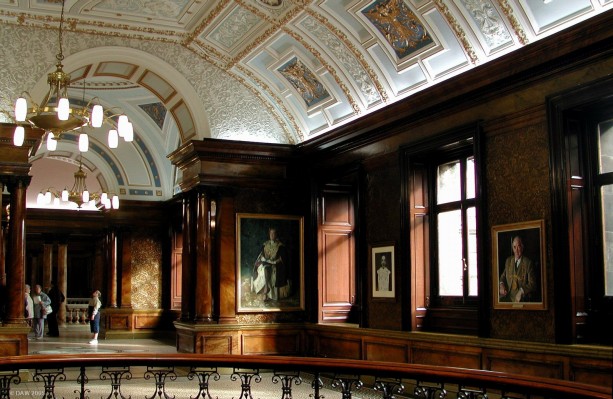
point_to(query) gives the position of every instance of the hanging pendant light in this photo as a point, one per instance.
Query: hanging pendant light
(55, 114)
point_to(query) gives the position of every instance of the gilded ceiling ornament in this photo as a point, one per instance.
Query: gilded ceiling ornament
(274, 112)
(271, 3)
(399, 25)
(489, 23)
(461, 35)
(508, 12)
(354, 106)
(346, 53)
(304, 81)
(373, 75)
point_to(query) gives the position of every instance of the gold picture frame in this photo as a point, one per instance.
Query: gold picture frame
(519, 284)
(270, 275)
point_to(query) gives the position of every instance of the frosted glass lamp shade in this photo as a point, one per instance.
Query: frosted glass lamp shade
(63, 109)
(19, 136)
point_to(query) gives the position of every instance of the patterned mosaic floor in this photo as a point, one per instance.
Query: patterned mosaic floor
(76, 340)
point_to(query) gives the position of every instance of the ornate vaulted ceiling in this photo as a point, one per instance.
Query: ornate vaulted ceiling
(276, 71)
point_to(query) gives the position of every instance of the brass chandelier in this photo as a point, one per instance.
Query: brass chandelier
(56, 115)
(79, 195)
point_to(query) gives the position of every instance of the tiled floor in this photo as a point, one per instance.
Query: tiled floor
(76, 340)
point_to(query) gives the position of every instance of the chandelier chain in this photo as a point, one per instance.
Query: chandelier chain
(60, 55)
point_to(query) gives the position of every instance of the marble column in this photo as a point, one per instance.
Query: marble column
(15, 267)
(62, 280)
(126, 270)
(204, 266)
(187, 275)
(47, 267)
(2, 254)
(112, 281)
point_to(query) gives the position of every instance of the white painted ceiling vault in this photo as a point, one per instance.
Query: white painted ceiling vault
(277, 71)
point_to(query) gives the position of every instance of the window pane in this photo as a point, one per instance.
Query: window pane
(470, 178)
(450, 263)
(471, 221)
(605, 146)
(448, 182)
(606, 194)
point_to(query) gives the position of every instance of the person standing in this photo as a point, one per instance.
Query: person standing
(57, 298)
(93, 314)
(29, 305)
(40, 301)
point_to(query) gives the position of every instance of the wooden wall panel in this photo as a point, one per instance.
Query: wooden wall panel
(446, 355)
(119, 322)
(588, 371)
(186, 342)
(11, 347)
(336, 283)
(386, 351)
(147, 321)
(337, 256)
(572, 363)
(339, 347)
(215, 345)
(272, 343)
(176, 263)
(544, 366)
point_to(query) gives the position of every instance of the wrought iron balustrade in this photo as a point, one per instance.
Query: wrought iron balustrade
(175, 376)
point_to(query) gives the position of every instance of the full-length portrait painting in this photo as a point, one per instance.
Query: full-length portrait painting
(519, 266)
(383, 271)
(269, 263)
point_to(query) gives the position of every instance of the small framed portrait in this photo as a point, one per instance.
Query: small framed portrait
(383, 271)
(270, 270)
(518, 274)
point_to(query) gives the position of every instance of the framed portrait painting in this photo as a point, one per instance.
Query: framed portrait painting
(383, 271)
(518, 274)
(270, 265)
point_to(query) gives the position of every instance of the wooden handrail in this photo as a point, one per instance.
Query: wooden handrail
(504, 382)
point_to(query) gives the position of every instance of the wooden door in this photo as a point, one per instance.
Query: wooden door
(337, 274)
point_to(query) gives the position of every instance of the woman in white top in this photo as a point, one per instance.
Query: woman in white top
(29, 306)
(93, 313)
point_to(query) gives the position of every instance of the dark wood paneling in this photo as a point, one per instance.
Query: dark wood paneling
(272, 343)
(119, 322)
(12, 347)
(337, 256)
(339, 347)
(386, 351)
(446, 355)
(573, 363)
(216, 345)
(589, 371)
(176, 258)
(147, 322)
(186, 342)
(521, 363)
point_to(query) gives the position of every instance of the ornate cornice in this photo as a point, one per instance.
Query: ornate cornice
(457, 29)
(508, 12)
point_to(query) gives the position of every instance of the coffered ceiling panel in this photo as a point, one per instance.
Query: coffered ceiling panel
(281, 71)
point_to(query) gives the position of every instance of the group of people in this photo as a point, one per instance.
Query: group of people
(40, 306)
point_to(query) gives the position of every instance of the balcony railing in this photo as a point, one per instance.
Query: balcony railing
(246, 377)
(76, 311)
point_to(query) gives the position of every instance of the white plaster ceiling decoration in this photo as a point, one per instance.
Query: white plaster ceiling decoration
(278, 71)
